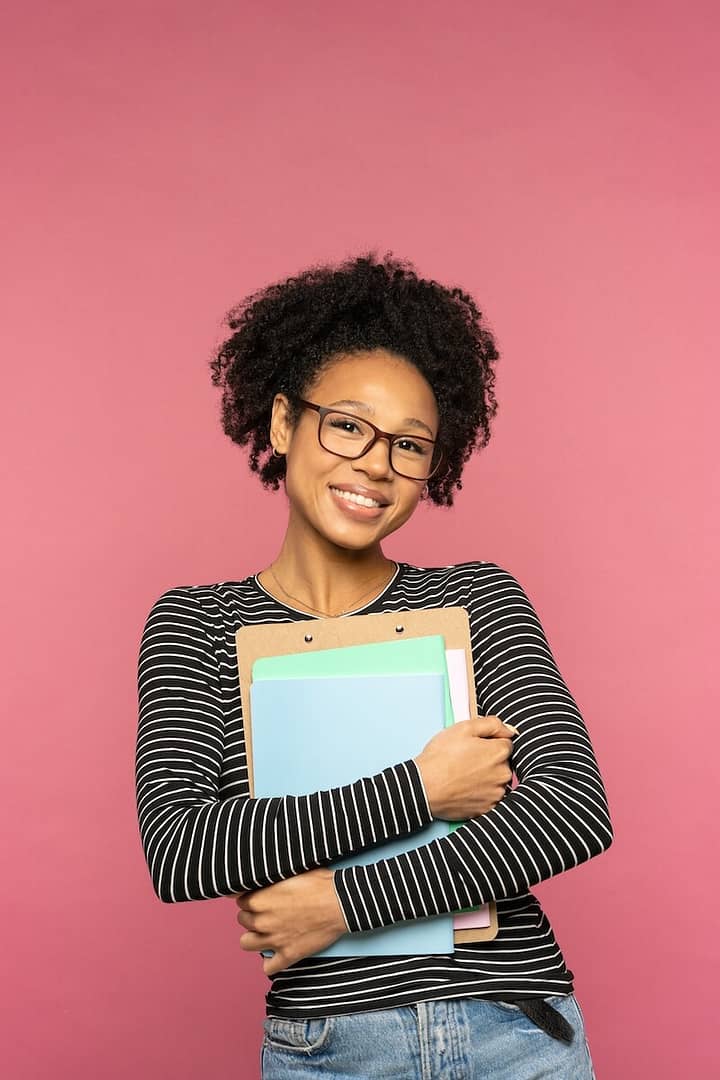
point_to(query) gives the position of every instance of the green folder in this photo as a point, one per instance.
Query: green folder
(408, 656)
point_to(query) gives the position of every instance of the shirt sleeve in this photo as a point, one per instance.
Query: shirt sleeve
(198, 845)
(555, 818)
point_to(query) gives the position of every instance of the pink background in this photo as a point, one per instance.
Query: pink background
(560, 161)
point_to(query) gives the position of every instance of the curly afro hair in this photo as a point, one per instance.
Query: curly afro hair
(284, 335)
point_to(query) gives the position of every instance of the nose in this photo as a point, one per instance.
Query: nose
(375, 462)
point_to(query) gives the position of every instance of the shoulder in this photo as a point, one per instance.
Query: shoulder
(473, 574)
(199, 605)
(478, 585)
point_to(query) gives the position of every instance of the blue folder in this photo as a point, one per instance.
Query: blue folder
(311, 734)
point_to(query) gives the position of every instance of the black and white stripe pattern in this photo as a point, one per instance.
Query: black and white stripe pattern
(204, 837)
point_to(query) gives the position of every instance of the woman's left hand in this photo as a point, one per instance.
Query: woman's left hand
(295, 918)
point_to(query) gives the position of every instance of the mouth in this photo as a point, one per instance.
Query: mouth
(360, 507)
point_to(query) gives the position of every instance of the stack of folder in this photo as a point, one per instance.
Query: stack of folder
(324, 717)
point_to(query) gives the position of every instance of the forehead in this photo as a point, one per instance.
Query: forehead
(384, 381)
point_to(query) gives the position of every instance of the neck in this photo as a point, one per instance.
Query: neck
(324, 576)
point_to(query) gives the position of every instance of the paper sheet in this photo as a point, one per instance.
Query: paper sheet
(457, 672)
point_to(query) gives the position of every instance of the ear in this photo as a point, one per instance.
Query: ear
(280, 428)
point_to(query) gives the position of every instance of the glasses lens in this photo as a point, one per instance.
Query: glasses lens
(345, 435)
(413, 457)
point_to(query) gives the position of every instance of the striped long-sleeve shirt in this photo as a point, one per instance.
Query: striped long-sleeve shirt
(204, 836)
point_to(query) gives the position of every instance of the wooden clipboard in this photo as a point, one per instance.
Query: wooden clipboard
(279, 639)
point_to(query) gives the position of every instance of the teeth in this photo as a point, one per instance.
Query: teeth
(350, 496)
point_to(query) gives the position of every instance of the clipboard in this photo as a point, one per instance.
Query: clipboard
(279, 639)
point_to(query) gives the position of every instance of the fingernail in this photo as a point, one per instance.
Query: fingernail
(513, 729)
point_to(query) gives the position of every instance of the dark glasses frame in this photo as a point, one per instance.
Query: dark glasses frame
(323, 411)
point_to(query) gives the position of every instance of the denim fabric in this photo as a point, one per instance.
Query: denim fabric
(463, 1039)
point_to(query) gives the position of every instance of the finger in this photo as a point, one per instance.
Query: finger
(277, 962)
(481, 725)
(501, 730)
(504, 748)
(247, 919)
(491, 727)
(252, 942)
(247, 901)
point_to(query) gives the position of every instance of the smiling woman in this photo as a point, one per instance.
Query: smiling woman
(364, 389)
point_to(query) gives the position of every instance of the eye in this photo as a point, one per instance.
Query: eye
(344, 423)
(409, 446)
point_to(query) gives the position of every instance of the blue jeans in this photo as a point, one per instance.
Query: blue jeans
(461, 1039)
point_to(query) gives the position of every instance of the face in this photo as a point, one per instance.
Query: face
(393, 395)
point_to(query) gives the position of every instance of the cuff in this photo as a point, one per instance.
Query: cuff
(340, 903)
(352, 906)
(418, 803)
(379, 894)
(398, 803)
(419, 787)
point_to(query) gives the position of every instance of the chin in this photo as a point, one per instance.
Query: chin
(359, 538)
(341, 539)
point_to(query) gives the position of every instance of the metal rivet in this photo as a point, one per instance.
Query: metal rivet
(399, 629)
(308, 637)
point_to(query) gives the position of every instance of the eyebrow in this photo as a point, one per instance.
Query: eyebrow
(409, 421)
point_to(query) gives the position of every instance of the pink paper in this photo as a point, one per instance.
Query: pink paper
(457, 672)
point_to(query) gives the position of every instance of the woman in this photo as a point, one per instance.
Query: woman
(365, 389)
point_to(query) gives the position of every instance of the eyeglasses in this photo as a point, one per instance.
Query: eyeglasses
(350, 436)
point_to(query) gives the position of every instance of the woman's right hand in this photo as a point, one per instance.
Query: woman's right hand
(465, 767)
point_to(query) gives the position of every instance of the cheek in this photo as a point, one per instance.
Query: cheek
(307, 474)
(302, 463)
(296, 486)
(407, 504)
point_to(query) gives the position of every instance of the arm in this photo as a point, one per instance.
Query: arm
(556, 817)
(199, 846)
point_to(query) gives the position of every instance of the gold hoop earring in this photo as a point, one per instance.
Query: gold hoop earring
(276, 452)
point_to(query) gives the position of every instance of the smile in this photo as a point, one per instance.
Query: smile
(350, 496)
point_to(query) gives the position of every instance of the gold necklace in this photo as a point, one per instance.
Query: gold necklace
(316, 611)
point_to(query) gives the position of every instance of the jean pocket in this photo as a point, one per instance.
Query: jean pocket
(299, 1036)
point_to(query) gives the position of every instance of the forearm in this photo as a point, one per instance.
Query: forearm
(556, 817)
(540, 829)
(198, 848)
(198, 845)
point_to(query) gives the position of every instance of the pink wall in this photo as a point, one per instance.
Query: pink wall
(560, 161)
